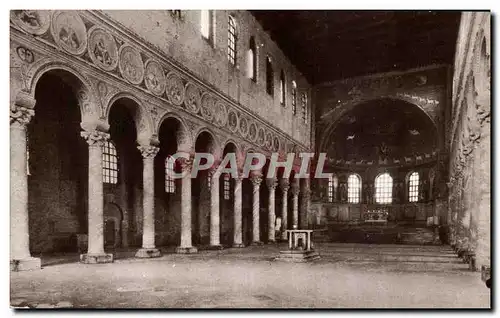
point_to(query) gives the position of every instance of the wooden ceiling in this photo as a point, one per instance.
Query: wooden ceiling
(330, 45)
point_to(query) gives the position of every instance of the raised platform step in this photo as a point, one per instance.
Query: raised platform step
(298, 256)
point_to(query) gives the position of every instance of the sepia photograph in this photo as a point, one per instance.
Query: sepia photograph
(245, 159)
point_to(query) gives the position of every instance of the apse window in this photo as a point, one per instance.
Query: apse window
(282, 89)
(169, 175)
(330, 188)
(383, 189)
(252, 60)
(109, 163)
(231, 40)
(227, 187)
(294, 97)
(206, 24)
(353, 188)
(269, 77)
(413, 187)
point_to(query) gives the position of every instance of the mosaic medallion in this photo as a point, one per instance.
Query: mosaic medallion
(69, 32)
(220, 114)
(261, 138)
(269, 140)
(154, 77)
(102, 49)
(276, 144)
(252, 132)
(232, 121)
(193, 98)
(131, 66)
(175, 89)
(243, 126)
(36, 22)
(207, 106)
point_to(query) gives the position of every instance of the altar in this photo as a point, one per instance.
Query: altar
(300, 247)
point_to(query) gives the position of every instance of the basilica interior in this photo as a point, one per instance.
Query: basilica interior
(100, 101)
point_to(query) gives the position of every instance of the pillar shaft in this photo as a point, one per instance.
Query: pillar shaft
(148, 220)
(284, 208)
(214, 210)
(19, 220)
(256, 181)
(186, 205)
(271, 184)
(95, 139)
(295, 203)
(95, 252)
(238, 237)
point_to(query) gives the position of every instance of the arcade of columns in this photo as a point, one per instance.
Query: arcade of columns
(20, 254)
(160, 89)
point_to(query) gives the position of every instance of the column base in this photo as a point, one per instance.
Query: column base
(25, 264)
(96, 258)
(258, 243)
(186, 250)
(148, 253)
(216, 247)
(271, 242)
(238, 245)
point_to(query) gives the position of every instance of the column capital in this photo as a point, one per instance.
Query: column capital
(271, 183)
(284, 184)
(95, 137)
(186, 164)
(256, 180)
(21, 116)
(148, 151)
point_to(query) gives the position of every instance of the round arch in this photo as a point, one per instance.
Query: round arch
(185, 135)
(90, 106)
(144, 122)
(326, 134)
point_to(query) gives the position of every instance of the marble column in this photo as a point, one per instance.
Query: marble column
(238, 236)
(186, 246)
(295, 203)
(20, 256)
(284, 185)
(271, 216)
(95, 253)
(256, 181)
(214, 210)
(148, 196)
(306, 205)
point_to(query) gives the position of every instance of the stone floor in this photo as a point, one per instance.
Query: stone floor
(347, 276)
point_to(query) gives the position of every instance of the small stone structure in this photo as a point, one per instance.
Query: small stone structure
(299, 247)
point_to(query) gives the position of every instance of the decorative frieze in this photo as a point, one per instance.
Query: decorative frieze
(110, 52)
(69, 32)
(130, 64)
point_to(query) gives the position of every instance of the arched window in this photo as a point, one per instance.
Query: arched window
(231, 40)
(269, 76)
(252, 60)
(109, 163)
(169, 179)
(353, 188)
(383, 188)
(303, 100)
(294, 97)
(413, 187)
(227, 187)
(206, 25)
(332, 187)
(282, 89)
